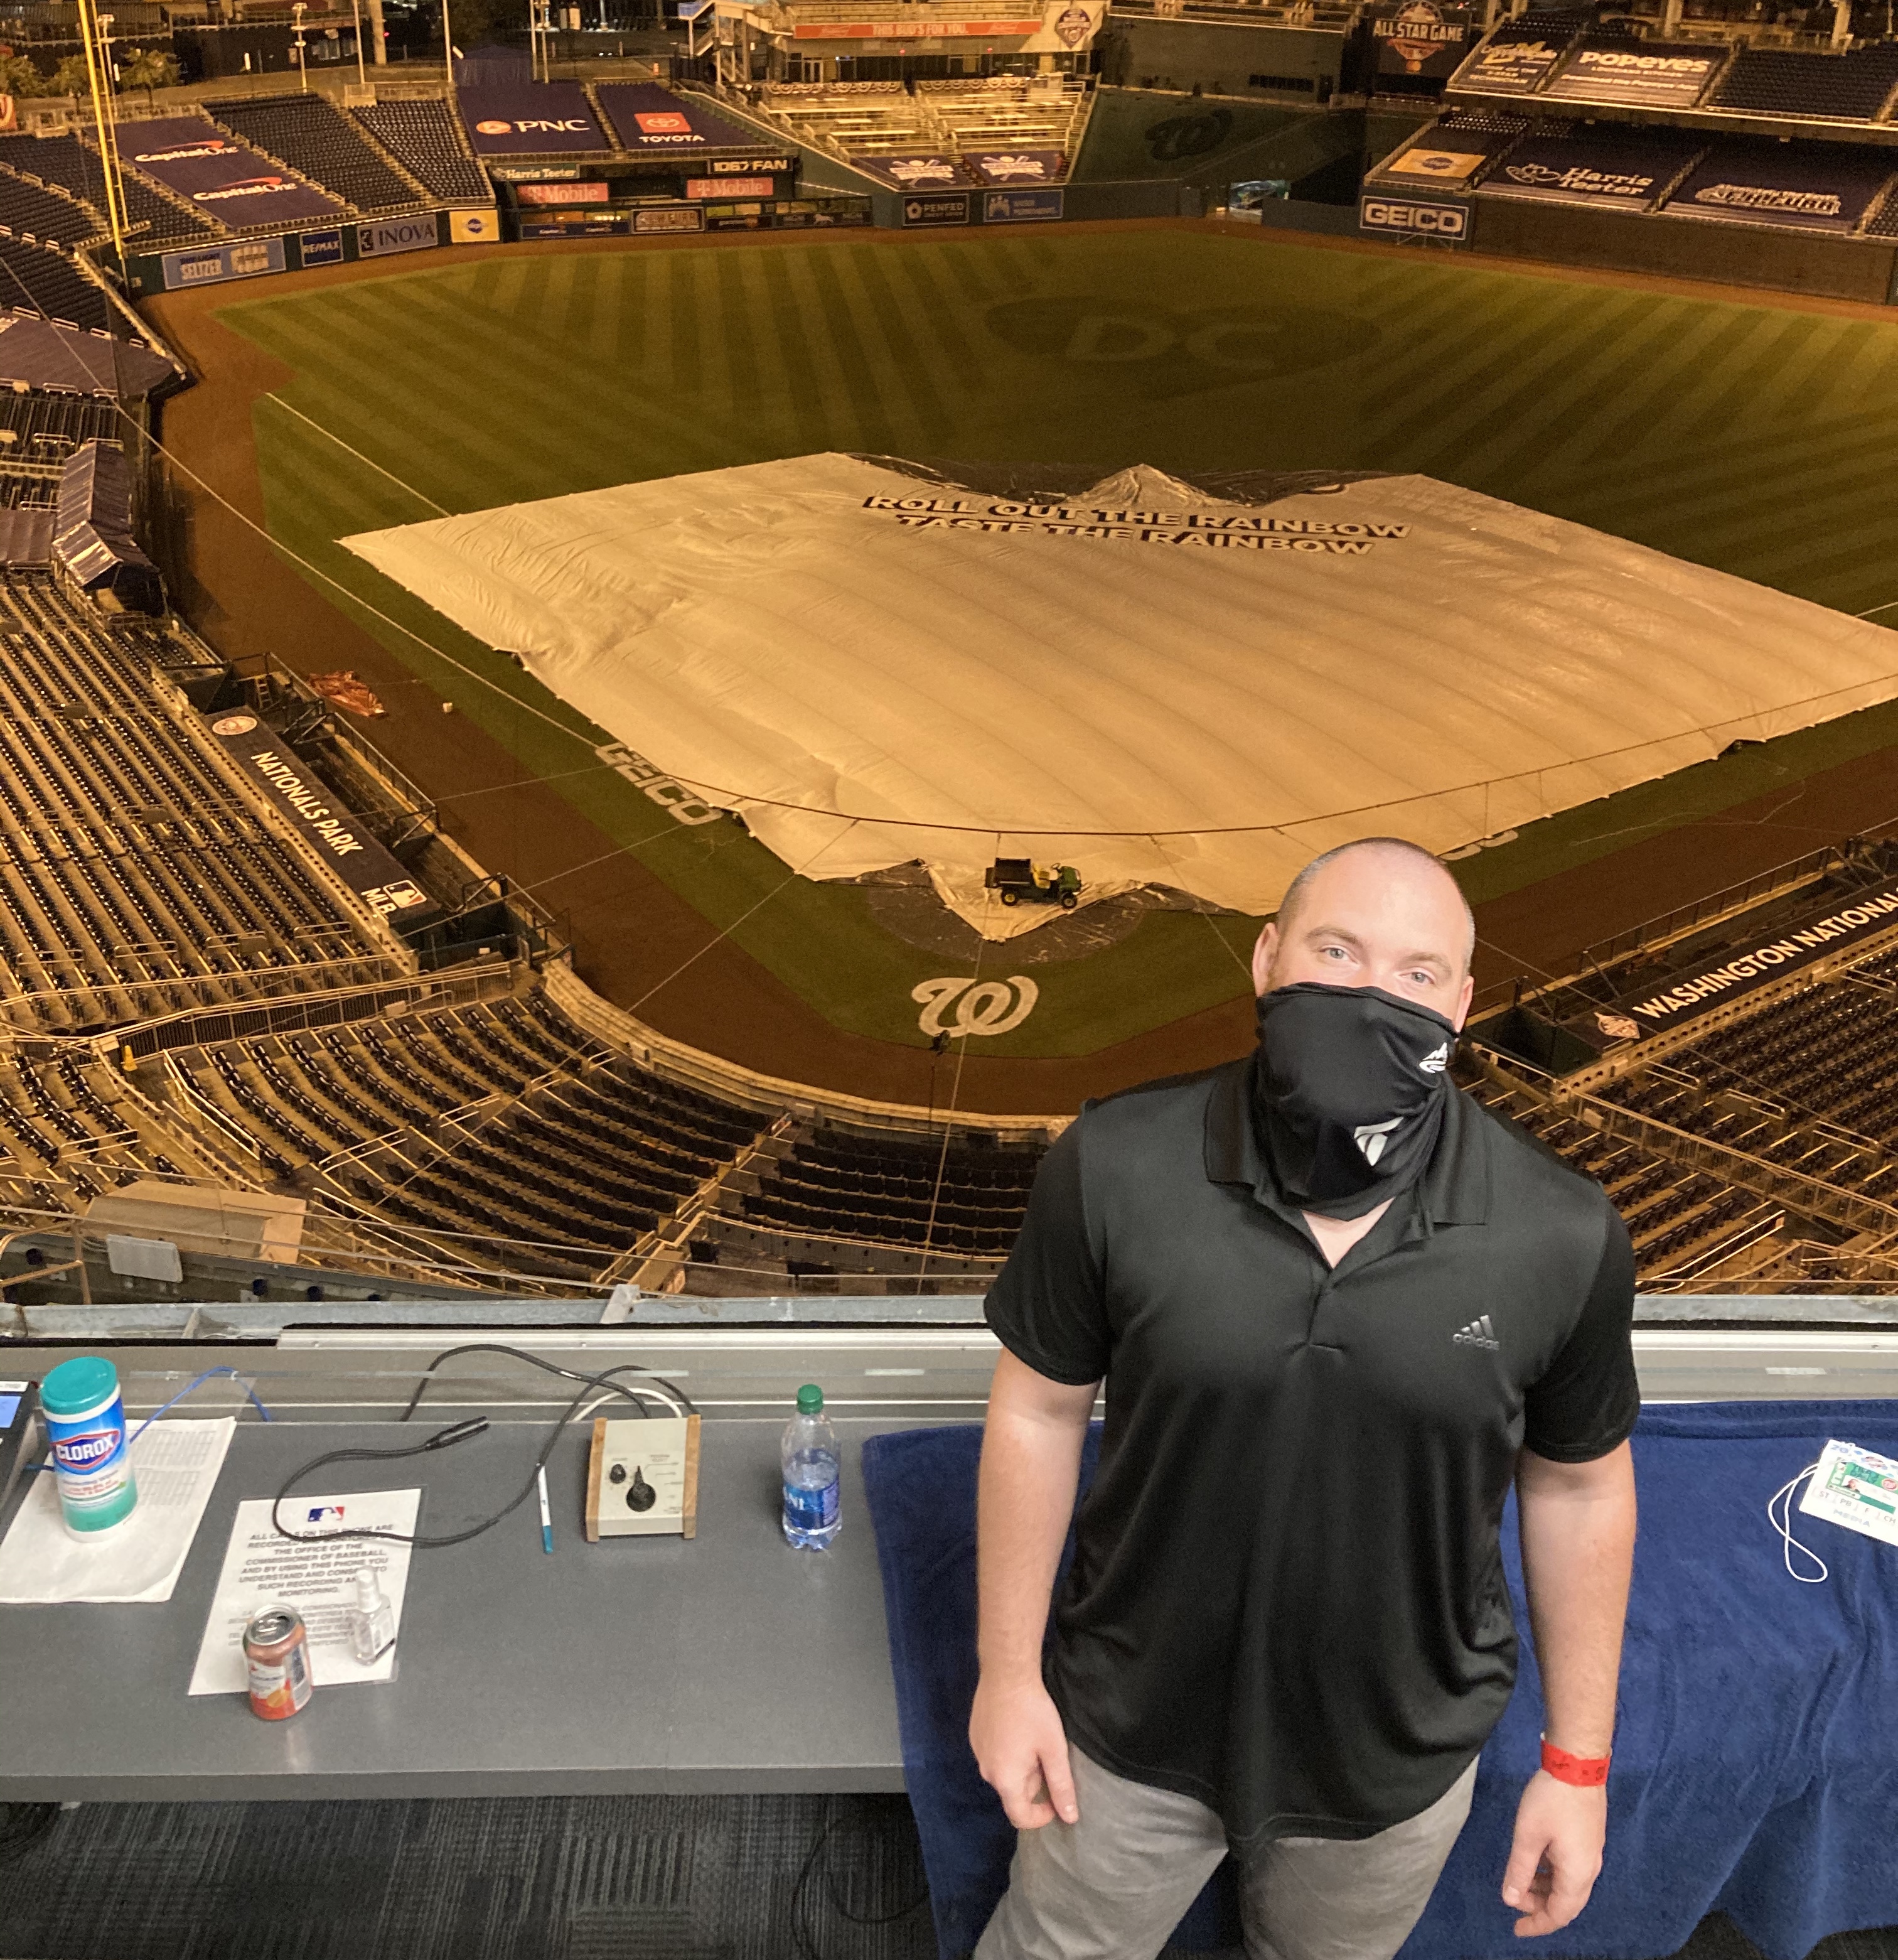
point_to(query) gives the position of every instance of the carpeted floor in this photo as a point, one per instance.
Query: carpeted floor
(755, 1878)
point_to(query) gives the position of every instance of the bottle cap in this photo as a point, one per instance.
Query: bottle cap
(366, 1588)
(810, 1399)
(80, 1384)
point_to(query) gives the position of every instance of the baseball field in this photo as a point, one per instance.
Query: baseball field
(1752, 437)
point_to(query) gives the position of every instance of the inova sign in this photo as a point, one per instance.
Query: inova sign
(390, 235)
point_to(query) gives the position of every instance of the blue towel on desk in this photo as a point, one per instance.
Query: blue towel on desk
(1756, 1766)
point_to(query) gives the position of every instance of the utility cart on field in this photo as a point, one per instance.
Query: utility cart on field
(1021, 882)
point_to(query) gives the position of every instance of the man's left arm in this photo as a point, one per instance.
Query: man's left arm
(1578, 1528)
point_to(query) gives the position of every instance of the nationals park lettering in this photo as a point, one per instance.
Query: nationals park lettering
(307, 803)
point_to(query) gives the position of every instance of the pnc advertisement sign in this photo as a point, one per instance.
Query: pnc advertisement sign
(1414, 218)
(530, 119)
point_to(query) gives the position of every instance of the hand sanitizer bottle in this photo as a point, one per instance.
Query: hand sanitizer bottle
(372, 1620)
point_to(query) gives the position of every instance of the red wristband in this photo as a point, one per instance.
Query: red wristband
(1587, 1772)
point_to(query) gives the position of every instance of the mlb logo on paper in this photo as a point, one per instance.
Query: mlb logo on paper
(325, 1514)
(1856, 1488)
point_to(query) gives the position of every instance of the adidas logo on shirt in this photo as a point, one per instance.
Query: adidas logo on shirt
(1478, 1334)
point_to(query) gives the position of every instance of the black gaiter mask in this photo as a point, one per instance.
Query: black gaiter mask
(1349, 1086)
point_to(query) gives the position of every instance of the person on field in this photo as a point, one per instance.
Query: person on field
(1337, 1308)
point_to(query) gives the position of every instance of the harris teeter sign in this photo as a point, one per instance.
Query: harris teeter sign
(1819, 934)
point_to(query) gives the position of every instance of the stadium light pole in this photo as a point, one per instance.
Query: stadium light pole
(297, 17)
(362, 76)
(91, 33)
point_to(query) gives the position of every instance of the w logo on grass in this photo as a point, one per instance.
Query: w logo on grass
(982, 1006)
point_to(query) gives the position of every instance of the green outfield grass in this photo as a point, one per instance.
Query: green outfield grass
(1754, 439)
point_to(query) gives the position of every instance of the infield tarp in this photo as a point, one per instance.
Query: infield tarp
(1812, 187)
(1139, 679)
(647, 118)
(531, 119)
(227, 179)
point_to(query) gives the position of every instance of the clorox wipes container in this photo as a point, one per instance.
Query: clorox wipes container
(85, 1420)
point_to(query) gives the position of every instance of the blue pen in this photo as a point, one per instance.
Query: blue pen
(546, 1517)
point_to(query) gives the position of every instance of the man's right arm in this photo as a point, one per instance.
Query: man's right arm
(1031, 1468)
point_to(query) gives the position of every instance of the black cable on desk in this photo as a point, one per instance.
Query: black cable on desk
(459, 1433)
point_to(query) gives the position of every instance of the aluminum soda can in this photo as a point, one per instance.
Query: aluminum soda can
(277, 1661)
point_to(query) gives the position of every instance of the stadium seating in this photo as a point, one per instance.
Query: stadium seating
(134, 879)
(322, 143)
(869, 121)
(151, 217)
(1679, 1219)
(29, 210)
(37, 279)
(426, 139)
(1855, 87)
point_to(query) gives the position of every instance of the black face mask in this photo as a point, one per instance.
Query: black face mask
(1350, 1086)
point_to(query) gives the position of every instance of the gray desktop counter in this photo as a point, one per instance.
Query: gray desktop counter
(725, 1664)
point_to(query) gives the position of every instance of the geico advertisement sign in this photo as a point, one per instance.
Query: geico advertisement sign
(1414, 219)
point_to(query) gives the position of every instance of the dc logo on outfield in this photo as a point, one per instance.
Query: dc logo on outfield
(981, 1006)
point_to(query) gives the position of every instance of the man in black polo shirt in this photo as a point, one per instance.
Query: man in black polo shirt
(1338, 1308)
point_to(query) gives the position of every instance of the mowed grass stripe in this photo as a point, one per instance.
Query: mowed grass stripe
(400, 358)
(904, 391)
(1418, 412)
(1735, 384)
(1620, 370)
(1442, 350)
(554, 400)
(1501, 425)
(394, 403)
(1683, 333)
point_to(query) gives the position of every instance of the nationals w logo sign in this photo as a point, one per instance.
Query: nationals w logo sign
(981, 1006)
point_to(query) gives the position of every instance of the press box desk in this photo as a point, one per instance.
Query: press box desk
(725, 1664)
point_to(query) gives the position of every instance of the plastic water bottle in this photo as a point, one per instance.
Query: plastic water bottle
(810, 1460)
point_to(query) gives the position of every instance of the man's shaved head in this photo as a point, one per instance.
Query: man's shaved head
(1405, 856)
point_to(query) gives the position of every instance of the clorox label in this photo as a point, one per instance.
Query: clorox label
(87, 1453)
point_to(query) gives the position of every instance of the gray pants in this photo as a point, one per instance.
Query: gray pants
(1114, 1885)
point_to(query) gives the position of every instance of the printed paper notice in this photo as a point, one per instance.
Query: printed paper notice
(317, 1576)
(1856, 1488)
(175, 1464)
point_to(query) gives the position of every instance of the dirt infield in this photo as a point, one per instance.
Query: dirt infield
(640, 945)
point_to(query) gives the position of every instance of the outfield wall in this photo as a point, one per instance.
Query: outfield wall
(217, 263)
(1738, 255)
